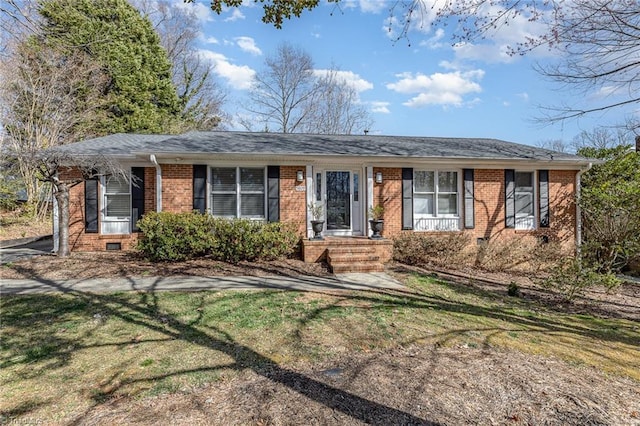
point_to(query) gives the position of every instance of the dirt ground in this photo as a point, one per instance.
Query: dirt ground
(410, 385)
(416, 385)
(622, 303)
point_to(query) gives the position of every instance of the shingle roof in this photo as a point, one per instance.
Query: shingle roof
(294, 144)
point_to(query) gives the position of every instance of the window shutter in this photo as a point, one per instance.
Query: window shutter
(510, 198)
(469, 219)
(273, 193)
(407, 198)
(91, 205)
(137, 196)
(200, 187)
(543, 182)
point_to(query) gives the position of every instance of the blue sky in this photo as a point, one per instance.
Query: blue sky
(422, 86)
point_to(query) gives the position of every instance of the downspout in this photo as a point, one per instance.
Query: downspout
(153, 159)
(578, 211)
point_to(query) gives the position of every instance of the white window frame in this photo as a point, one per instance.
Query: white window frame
(526, 222)
(110, 225)
(238, 192)
(442, 217)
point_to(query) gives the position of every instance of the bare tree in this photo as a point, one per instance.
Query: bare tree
(602, 138)
(47, 98)
(64, 172)
(17, 18)
(335, 108)
(201, 96)
(283, 89)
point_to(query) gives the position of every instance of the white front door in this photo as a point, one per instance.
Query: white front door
(342, 200)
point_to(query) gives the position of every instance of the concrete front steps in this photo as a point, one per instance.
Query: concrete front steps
(349, 254)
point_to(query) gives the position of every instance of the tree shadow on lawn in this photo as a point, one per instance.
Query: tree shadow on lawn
(147, 313)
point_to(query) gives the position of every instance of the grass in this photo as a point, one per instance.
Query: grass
(74, 351)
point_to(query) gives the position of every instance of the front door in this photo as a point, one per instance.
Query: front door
(342, 202)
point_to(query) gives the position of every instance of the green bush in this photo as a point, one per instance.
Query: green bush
(175, 236)
(181, 236)
(242, 239)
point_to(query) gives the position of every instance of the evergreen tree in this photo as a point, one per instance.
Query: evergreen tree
(140, 94)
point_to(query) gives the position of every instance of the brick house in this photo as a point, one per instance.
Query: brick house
(485, 188)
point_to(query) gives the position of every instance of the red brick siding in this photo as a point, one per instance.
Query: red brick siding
(177, 188)
(293, 204)
(78, 239)
(489, 199)
(389, 195)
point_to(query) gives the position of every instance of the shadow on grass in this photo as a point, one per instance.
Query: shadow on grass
(147, 314)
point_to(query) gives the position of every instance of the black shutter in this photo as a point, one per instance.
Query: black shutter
(469, 219)
(200, 188)
(91, 205)
(510, 198)
(407, 198)
(543, 182)
(273, 193)
(137, 196)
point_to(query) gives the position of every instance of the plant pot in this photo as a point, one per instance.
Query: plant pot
(376, 227)
(317, 226)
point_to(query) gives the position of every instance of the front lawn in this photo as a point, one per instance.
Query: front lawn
(65, 357)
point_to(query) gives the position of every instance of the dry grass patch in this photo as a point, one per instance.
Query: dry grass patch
(89, 358)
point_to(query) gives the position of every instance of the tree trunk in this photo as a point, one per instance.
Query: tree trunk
(62, 197)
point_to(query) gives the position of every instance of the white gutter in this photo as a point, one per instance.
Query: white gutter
(578, 212)
(153, 159)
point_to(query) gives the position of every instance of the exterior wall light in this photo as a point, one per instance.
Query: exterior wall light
(299, 176)
(378, 177)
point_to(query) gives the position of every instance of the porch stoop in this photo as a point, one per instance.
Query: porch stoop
(349, 254)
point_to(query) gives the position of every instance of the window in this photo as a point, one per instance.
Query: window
(524, 200)
(116, 205)
(117, 198)
(435, 200)
(238, 192)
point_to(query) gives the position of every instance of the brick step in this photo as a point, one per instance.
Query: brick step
(351, 257)
(343, 267)
(351, 250)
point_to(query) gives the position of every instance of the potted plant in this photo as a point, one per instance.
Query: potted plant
(376, 221)
(317, 222)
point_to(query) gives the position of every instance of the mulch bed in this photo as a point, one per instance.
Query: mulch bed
(404, 386)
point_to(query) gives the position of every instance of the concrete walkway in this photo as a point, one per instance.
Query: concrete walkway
(355, 281)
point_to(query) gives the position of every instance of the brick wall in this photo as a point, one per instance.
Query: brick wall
(81, 241)
(488, 191)
(293, 204)
(389, 195)
(489, 206)
(177, 188)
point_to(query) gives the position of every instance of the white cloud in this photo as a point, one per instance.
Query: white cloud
(248, 44)
(238, 76)
(200, 10)
(373, 6)
(348, 77)
(380, 107)
(235, 15)
(498, 44)
(212, 40)
(524, 96)
(434, 42)
(446, 89)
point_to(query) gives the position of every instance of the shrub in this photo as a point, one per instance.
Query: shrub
(428, 249)
(181, 236)
(175, 236)
(242, 239)
(571, 278)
